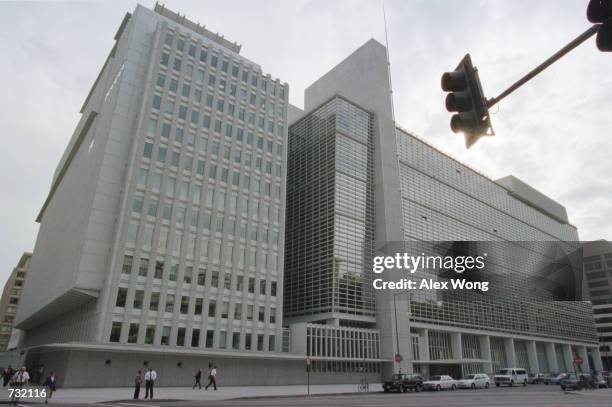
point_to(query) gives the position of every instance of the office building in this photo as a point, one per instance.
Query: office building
(13, 288)
(598, 278)
(163, 228)
(359, 183)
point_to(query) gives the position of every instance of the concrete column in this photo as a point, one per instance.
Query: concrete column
(298, 338)
(597, 364)
(551, 355)
(586, 366)
(456, 345)
(510, 352)
(532, 355)
(485, 349)
(569, 358)
(424, 345)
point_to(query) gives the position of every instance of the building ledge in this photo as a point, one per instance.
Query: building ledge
(71, 299)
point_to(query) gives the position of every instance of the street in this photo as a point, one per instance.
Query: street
(531, 396)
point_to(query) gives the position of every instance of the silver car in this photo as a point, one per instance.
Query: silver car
(473, 381)
(438, 383)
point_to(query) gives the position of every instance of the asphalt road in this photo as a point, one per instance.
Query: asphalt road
(531, 396)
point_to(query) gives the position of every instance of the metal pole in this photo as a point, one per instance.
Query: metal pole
(396, 328)
(573, 44)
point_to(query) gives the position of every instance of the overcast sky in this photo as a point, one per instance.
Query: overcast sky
(555, 133)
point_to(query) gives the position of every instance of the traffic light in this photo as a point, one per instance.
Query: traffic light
(600, 11)
(467, 99)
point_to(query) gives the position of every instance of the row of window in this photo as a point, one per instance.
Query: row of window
(169, 302)
(149, 337)
(236, 255)
(203, 56)
(200, 97)
(260, 186)
(191, 276)
(249, 139)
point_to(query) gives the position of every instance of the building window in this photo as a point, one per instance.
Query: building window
(180, 337)
(222, 339)
(273, 289)
(150, 334)
(272, 315)
(262, 287)
(210, 334)
(165, 338)
(260, 342)
(115, 334)
(144, 266)
(201, 277)
(237, 311)
(184, 304)
(212, 308)
(133, 333)
(198, 306)
(225, 310)
(121, 297)
(195, 338)
(169, 303)
(271, 343)
(236, 340)
(154, 302)
(247, 341)
(138, 299)
(127, 264)
(262, 314)
(251, 285)
(159, 269)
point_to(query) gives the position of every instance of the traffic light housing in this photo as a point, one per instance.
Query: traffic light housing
(467, 99)
(600, 11)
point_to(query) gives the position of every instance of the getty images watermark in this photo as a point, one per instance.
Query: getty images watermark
(442, 264)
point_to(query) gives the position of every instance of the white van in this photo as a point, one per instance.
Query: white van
(511, 376)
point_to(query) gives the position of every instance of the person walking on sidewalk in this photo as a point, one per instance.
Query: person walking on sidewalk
(150, 377)
(51, 385)
(8, 375)
(198, 379)
(20, 379)
(137, 383)
(212, 377)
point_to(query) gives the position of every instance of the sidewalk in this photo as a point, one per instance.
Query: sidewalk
(99, 395)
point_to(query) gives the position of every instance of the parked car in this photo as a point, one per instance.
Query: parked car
(554, 378)
(573, 381)
(599, 381)
(511, 376)
(535, 378)
(442, 382)
(403, 382)
(473, 381)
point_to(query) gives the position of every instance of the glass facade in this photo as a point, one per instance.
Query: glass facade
(443, 200)
(330, 213)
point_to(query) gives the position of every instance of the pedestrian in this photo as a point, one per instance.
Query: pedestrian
(8, 375)
(19, 380)
(41, 373)
(198, 379)
(150, 377)
(212, 377)
(137, 383)
(51, 385)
